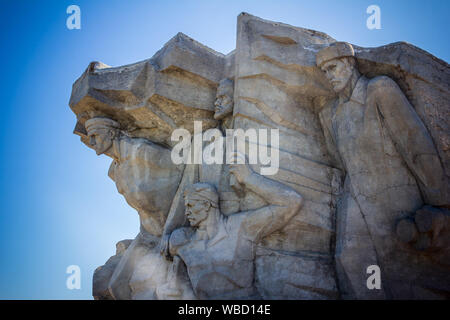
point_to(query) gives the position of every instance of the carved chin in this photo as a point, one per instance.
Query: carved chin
(336, 85)
(193, 222)
(339, 86)
(100, 151)
(222, 112)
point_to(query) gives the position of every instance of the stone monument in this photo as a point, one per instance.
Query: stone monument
(362, 179)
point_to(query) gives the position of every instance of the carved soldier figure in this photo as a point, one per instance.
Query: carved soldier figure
(392, 169)
(224, 103)
(143, 171)
(218, 250)
(145, 175)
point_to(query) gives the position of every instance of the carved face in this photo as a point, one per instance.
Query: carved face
(196, 211)
(101, 140)
(338, 72)
(223, 105)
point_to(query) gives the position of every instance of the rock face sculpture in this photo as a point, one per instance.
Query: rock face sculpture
(138, 164)
(392, 167)
(218, 250)
(363, 177)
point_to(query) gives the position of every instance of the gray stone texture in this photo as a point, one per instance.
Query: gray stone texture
(364, 167)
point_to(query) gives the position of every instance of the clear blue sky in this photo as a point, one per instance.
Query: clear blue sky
(58, 207)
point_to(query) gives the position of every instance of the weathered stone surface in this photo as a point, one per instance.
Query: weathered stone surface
(363, 177)
(407, 230)
(423, 78)
(142, 97)
(103, 274)
(391, 165)
(283, 276)
(218, 250)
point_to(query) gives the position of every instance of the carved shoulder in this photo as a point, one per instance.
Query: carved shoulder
(382, 86)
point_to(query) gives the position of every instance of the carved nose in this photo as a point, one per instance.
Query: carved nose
(92, 141)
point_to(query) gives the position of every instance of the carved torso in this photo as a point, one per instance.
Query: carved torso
(225, 260)
(147, 178)
(368, 154)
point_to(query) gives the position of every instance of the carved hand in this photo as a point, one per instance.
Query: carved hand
(240, 169)
(426, 229)
(164, 247)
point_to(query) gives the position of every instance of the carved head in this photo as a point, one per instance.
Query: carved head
(224, 99)
(199, 200)
(101, 133)
(338, 63)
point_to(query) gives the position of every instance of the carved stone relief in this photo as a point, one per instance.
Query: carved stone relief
(363, 176)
